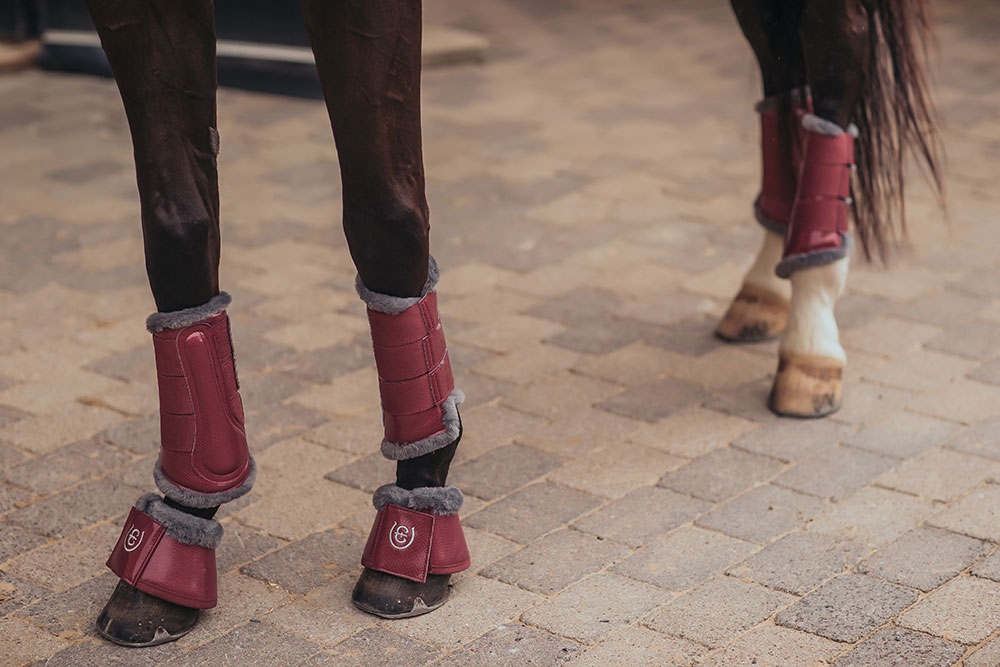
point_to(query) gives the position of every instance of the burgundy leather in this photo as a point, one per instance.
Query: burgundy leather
(820, 218)
(414, 370)
(781, 143)
(412, 544)
(155, 563)
(203, 440)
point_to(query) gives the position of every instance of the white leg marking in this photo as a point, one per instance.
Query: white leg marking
(761, 274)
(812, 328)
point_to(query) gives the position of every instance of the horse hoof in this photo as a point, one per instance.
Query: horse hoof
(756, 314)
(133, 618)
(806, 386)
(388, 596)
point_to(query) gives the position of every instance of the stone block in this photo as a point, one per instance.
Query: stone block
(267, 644)
(312, 562)
(636, 645)
(503, 470)
(533, 511)
(616, 470)
(792, 440)
(976, 515)
(642, 516)
(902, 435)
(721, 474)
(898, 647)
(964, 610)
(775, 646)
(375, 647)
(835, 473)
(762, 514)
(693, 432)
(513, 645)
(798, 562)
(924, 558)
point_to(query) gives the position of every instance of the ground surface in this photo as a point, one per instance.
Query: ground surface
(629, 498)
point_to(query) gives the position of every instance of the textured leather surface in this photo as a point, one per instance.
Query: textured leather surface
(412, 544)
(820, 217)
(155, 563)
(415, 376)
(203, 440)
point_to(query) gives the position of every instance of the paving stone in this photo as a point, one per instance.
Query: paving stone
(515, 644)
(8, 455)
(903, 435)
(632, 365)
(747, 401)
(924, 558)
(897, 647)
(791, 440)
(981, 440)
(241, 545)
(68, 562)
(93, 651)
(73, 612)
(585, 432)
(15, 540)
(872, 517)
(375, 647)
(684, 558)
(533, 511)
(654, 400)
(940, 474)
(836, 472)
(721, 474)
(242, 599)
(68, 512)
(718, 610)
(976, 515)
(988, 568)
(324, 616)
(294, 512)
(561, 395)
(593, 608)
(556, 561)
(503, 470)
(298, 462)
(775, 646)
(139, 436)
(920, 370)
(504, 604)
(692, 433)
(268, 646)
(639, 646)
(762, 514)
(64, 467)
(987, 656)
(24, 643)
(11, 498)
(616, 470)
(964, 610)
(798, 562)
(642, 516)
(975, 339)
(945, 306)
(847, 608)
(311, 562)
(965, 401)
(868, 402)
(16, 593)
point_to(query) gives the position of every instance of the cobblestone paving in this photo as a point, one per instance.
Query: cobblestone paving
(629, 498)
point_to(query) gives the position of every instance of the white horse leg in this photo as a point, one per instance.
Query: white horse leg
(760, 310)
(810, 357)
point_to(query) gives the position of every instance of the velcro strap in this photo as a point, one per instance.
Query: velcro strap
(405, 362)
(418, 394)
(412, 544)
(825, 180)
(826, 216)
(826, 149)
(411, 325)
(405, 429)
(400, 543)
(137, 542)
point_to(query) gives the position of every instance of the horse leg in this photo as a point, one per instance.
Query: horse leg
(817, 246)
(368, 57)
(760, 309)
(163, 56)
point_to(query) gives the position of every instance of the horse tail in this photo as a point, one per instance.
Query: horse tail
(895, 115)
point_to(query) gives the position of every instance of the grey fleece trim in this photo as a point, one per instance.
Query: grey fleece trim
(814, 123)
(770, 224)
(394, 305)
(793, 263)
(179, 319)
(439, 500)
(191, 498)
(183, 527)
(402, 451)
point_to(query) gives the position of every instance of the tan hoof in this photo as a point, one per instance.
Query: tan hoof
(755, 314)
(806, 386)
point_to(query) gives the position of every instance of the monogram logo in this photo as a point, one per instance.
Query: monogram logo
(401, 537)
(133, 539)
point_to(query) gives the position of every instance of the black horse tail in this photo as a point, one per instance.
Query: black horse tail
(895, 115)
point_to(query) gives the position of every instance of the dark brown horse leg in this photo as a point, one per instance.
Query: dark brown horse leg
(760, 309)
(368, 56)
(163, 56)
(817, 245)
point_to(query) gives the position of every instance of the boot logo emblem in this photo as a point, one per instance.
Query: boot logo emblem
(133, 539)
(401, 537)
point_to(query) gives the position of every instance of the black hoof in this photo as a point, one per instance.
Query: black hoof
(389, 596)
(133, 618)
